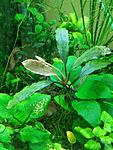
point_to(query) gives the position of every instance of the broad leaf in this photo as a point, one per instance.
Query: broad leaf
(97, 131)
(34, 135)
(62, 43)
(94, 65)
(27, 92)
(93, 53)
(5, 135)
(106, 139)
(4, 112)
(106, 117)
(92, 145)
(87, 133)
(33, 107)
(89, 110)
(38, 67)
(94, 88)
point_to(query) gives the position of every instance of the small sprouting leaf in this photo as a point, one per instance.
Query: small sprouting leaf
(93, 53)
(92, 145)
(106, 117)
(87, 133)
(60, 99)
(27, 92)
(62, 43)
(94, 65)
(38, 28)
(97, 131)
(40, 17)
(33, 10)
(19, 16)
(71, 137)
(2, 127)
(38, 67)
(106, 139)
(89, 110)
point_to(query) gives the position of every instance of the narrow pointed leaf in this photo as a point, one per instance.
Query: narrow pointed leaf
(38, 67)
(93, 65)
(26, 92)
(62, 43)
(93, 53)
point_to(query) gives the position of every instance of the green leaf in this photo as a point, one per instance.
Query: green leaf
(79, 38)
(72, 73)
(106, 118)
(5, 135)
(106, 140)
(33, 107)
(94, 65)
(80, 24)
(87, 133)
(19, 16)
(38, 67)
(108, 147)
(93, 53)
(94, 88)
(60, 66)
(27, 92)
(2, 128)
(2, 147)
(38, 28)
(71, 137)
(33, 135)
(97, 131)
(62, 43)
(60, 99)
(40, 17)
(33, 10)
(89, 110)
(92, 145)
(4, 112)
(46, 145)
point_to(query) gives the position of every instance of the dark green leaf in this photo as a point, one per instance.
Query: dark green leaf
(93, 53)
(94, 65)
(60, 99)
(62, 43)
(27, 92)
(89, 110)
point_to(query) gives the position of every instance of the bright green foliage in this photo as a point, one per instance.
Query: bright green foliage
(99, 134)
(92, 145)
(4, 112)
(97, 131)
(95, 88)
(87, 133)
(87, 110)
(33, 135)
(5, 134)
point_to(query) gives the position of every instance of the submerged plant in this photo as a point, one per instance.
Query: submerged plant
(78, 89)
